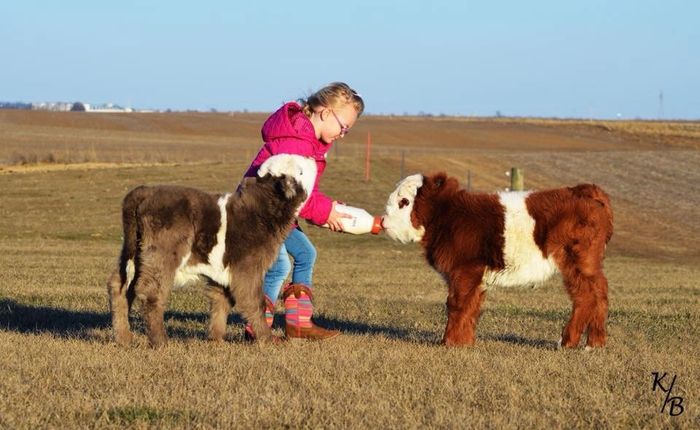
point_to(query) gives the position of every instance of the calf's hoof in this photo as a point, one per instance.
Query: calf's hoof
(450, 342)
(123, 338)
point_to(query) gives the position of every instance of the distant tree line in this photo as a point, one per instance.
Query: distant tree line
(15, 105)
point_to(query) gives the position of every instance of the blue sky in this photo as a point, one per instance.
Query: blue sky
(588, 59)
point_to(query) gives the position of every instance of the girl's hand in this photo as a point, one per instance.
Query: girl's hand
(334, 219)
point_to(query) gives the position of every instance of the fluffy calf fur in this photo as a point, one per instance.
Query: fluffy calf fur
(477, 241)
(177, 235)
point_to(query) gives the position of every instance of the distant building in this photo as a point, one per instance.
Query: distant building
(103, 108)
(15, 105)
(72, 107)
(106, 108)
(54, 106)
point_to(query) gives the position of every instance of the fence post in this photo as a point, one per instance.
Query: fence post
(517, 179)
(367, 158)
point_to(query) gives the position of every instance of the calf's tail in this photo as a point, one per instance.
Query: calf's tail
(130, 244)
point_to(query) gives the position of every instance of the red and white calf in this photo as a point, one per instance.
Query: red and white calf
(477, 241)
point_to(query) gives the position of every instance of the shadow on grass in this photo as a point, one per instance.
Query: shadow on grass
(27, 318)
(426, 336)
(61, 322)
(396, 333)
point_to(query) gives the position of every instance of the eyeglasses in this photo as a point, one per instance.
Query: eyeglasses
(344, 129)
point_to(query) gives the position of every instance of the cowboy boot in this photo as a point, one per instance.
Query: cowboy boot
(297, 315)
(269, 317)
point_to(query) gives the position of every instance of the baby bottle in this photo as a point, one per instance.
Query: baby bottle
(360, 223)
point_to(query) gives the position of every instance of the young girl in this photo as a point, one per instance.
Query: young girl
(308, 128)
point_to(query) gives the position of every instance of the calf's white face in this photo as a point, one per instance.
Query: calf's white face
(397, 220)
(301, 169)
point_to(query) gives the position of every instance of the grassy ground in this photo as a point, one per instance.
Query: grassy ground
(60, 235)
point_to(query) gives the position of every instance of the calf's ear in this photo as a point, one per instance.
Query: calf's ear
(438, 180)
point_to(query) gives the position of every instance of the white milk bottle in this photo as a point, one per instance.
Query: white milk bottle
(360, 223)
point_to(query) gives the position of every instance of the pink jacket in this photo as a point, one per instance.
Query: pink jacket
(289, 131)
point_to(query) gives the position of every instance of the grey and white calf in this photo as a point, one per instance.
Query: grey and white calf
(177, 235)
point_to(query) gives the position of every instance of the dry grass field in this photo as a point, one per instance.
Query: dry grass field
(60, 236)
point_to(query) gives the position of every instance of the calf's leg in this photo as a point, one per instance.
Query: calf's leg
(153, 293)
(152, 287)
(597, 333)
(220, 303)
(246, 288)
(463, 306)
(589, 294)
(581, 265)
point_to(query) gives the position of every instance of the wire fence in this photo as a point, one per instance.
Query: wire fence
(407, 159)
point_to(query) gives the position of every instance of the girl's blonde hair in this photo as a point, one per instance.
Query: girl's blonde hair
(333, 95)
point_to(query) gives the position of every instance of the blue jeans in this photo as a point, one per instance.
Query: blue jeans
(302, 250)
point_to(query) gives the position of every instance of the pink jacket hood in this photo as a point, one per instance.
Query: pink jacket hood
(289, 131)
